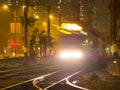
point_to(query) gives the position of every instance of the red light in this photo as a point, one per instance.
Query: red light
(13, 43)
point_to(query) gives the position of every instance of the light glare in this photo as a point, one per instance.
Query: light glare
(65, 32)
(74, 27)
(5, 6)
(66, 54)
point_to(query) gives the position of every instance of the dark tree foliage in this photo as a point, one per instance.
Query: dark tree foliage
(43, 41)
(118, 8)
(30, 21)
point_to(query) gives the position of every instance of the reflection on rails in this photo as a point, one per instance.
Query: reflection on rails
(59, 80)
(63, 84)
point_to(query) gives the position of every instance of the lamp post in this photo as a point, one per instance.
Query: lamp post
(113, 30)
(48, 27)
(113, 21)
(25, 30)
(48, 22)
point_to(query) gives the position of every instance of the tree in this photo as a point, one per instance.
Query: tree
(33, 41)
(43, 43)
(31, 21)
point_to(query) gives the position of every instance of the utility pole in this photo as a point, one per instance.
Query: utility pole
(59, 12)
(113, 32)
(60, 21)
(15, 22)
(48, 22)
(25, 29)
(48, 27)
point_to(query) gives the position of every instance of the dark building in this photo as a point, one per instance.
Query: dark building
(11, 30)
(68, 10)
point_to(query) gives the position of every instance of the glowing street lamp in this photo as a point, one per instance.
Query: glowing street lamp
(24, 6)
(68, 28)
(5, 6)
(71, 27)
(36, 17)
(50, 16)
(65, 32)
(44, 23)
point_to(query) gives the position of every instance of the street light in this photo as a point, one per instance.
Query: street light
(5, 6)
(36, 17)
(50, 16)
(64, 31)
(44, 23)
(71, 27)
(23, 6)
(25, 30)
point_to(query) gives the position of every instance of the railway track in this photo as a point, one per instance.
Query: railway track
(13, 76)
(50, 81)
(26, 85)
(14, 72)
(59, 80)
(57, 83)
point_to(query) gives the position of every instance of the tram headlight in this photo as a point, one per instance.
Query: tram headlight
(71, 54)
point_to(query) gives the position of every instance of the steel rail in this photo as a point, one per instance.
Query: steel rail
(35, 81)
(67, 82)
(31, 80)
(73, 85)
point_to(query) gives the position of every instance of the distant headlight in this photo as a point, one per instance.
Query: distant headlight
(71, 54)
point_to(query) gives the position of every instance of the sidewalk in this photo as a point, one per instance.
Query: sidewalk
(105, 81)
(113, 65)
(107, 77)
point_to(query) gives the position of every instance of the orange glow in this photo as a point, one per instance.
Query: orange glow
(50, 16)
(36, 17)
(65, 32)
(23, 6)
(73, 27)
(5, 6)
